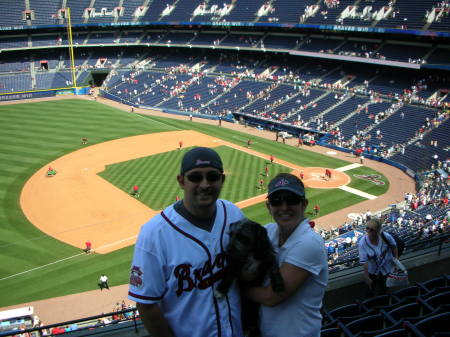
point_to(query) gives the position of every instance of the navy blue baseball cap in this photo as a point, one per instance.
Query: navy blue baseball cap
(287, 182)
(200, 157)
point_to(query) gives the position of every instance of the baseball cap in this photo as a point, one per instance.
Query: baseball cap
(200, 157)
(287, 182)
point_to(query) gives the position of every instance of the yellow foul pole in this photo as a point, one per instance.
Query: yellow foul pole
(72, 58)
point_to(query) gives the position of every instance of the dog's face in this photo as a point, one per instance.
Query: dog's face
(244, 237)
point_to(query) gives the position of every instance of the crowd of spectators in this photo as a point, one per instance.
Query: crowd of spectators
(421, 215)
(121, 312)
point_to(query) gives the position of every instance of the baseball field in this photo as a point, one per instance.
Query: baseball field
(44, 221)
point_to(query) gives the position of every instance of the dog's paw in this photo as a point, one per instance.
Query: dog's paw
(218, 294)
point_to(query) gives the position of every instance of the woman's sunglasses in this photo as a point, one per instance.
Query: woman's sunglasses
(291, 200)
(211, 177)
(370, 229)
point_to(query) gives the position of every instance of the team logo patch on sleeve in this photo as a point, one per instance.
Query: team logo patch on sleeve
(136, 277)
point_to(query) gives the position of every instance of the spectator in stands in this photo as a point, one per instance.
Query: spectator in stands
(376, 255)
(303, 264)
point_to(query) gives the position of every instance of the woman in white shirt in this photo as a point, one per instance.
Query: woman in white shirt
(376, 253)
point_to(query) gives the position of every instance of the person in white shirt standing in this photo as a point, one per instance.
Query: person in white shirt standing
(376, 256)
(103, 282)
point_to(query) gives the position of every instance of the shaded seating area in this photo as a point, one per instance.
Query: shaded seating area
(419, 310)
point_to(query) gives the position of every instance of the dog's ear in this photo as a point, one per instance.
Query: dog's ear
(262, 239)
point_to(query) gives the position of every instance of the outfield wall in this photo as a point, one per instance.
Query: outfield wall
(14, 96)
(405, 169)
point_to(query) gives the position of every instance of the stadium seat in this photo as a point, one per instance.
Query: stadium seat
(346, 310)
(413, 312)
(408, 291)
(330, 332)
(371, 325)
(394, 333)
(377, 302)
(438, 299)
(435, 291)
(440, 281)
(345, 314)
(430, 325)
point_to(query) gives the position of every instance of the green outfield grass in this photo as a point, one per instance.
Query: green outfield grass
(35, 266)
(158, 186)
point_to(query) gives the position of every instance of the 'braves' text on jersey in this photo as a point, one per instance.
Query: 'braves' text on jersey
(177, 265)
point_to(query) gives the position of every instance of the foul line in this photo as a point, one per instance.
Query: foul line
(358, 192)
(149, 118)
(65, 259)
(40, 267)
(255, 153)
(348, 167)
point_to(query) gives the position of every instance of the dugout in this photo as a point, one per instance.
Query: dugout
(15, 319)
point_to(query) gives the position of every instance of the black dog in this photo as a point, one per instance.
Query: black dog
(250, 251)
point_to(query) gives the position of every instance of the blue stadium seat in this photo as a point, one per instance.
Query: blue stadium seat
(430, 325)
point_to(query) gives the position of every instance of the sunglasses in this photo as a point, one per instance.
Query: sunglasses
(370, 229)
(290, 200)
(211, 177)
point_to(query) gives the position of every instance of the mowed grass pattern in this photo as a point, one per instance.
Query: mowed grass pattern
(158, 186)
(35, 266)
(362, 183)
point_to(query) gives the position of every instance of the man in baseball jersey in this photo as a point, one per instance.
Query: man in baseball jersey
(179, 257)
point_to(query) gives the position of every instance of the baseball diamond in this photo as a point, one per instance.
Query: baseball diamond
(77, 204)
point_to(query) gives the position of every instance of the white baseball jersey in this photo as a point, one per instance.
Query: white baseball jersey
(379, 257)
(177, 265)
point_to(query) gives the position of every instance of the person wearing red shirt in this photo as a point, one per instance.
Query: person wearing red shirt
(261, 184)
(135, 192)
(316, 209)
(272, 158)
(180, 144)
(88, 248)
(301, 175)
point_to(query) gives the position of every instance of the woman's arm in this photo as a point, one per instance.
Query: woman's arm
(293, 278)
(395, 252)
(367, 279)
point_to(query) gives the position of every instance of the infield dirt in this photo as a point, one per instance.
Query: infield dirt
(94, 302)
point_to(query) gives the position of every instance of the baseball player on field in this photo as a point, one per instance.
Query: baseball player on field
(179, 257)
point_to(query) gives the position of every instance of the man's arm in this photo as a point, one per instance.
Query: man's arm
(154, 321)
(293, 278)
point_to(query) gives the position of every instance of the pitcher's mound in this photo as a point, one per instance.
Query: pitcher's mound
(315, 177)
